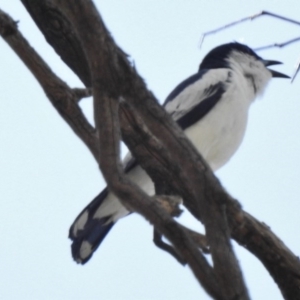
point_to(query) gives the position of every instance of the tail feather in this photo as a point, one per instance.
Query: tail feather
(87, 243)
(96, 219)
(78, 226)
(87, 232)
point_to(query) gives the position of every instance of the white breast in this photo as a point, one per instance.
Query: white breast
(218, 135)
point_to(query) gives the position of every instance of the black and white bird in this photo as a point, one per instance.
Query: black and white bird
(211, 107)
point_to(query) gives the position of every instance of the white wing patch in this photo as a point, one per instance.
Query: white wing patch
(195, 93)
(80, 223)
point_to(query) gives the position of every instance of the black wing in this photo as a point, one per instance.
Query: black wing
(192, 99)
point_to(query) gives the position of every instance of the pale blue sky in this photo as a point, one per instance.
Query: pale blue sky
(47, 175)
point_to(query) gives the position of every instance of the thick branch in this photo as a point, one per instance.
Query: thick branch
(258, 238)
(60, 35)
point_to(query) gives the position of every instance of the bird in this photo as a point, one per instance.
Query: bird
(211, 107)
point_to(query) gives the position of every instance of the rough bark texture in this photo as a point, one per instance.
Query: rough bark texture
(72, 30)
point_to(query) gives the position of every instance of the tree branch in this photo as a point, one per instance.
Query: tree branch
(63, 98)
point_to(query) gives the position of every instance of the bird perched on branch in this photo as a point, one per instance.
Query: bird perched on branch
(211, 107)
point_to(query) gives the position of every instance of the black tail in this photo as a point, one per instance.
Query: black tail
(88, 232)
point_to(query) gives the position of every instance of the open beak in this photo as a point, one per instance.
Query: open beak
(274, 73)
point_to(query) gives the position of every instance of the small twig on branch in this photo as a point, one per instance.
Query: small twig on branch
(82, 93)
(63, 98)
(158, 241)
(199, 239)
(170, 204)
(249, 18)
(278, 45)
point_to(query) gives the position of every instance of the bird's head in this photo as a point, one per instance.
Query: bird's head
(245, 61)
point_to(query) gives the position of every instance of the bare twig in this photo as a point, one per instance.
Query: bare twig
(199, 239)
(82, 93)
(249, 18)
(205, 34)
(170, 204)
(278, 45)
(158, 241)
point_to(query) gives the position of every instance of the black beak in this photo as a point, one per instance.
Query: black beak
(274, 73)
(271, 62)
(278, 74)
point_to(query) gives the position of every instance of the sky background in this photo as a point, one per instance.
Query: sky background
(47, 175)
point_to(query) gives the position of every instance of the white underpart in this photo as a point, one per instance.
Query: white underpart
(218, 134)
(113, 207)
